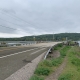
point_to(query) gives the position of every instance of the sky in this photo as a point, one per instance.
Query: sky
(35, 17)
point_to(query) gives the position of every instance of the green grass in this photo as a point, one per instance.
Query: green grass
(73, 66)
(58, 46)
(63, 51)
(42, 71)
(57, 61)
(65, 77)
(75, 61)
(35, 77)
(46, 67)
(46, 63)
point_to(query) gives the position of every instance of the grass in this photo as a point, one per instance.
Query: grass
(46, 63)
(72, 70)
(57, 61)
(36, 78)
(46, 67)
(58, 46)
(75, 61)
(42, 71)
(63, 52)
(65, 77)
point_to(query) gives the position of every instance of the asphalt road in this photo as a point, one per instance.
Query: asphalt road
(14, 58)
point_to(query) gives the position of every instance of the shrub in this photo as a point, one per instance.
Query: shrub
(42, 71)
(36, 78)
(65, 77)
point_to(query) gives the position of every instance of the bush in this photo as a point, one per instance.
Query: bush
(42, 71)
(36, 78)
(65, 77)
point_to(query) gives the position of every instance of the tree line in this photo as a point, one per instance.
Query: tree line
(46, 37)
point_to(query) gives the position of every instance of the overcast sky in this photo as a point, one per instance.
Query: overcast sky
(34, 17)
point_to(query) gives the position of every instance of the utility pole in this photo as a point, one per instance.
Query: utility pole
(34, 39)
(53, 36)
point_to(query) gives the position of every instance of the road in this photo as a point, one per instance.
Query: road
(14, 58)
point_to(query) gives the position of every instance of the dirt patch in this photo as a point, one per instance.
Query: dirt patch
(54, 54)
(58, 71)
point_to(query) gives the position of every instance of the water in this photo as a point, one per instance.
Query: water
(27, 42)
(11, 43)
(79, 43)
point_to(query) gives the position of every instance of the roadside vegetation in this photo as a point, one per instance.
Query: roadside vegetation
(72, 70)
(46, 67)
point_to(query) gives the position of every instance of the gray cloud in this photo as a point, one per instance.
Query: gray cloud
(33, 17)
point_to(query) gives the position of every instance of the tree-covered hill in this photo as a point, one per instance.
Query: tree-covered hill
(46, 37)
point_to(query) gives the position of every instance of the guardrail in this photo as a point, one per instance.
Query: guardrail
(47, 53)
(50, 50)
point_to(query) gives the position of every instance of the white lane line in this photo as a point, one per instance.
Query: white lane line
(17, 53)
(37, 51)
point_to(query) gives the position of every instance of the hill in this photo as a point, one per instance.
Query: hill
(46, 37)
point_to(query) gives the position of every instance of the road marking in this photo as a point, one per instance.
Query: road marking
(37, 51)
(10, 49)
(17, 53)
